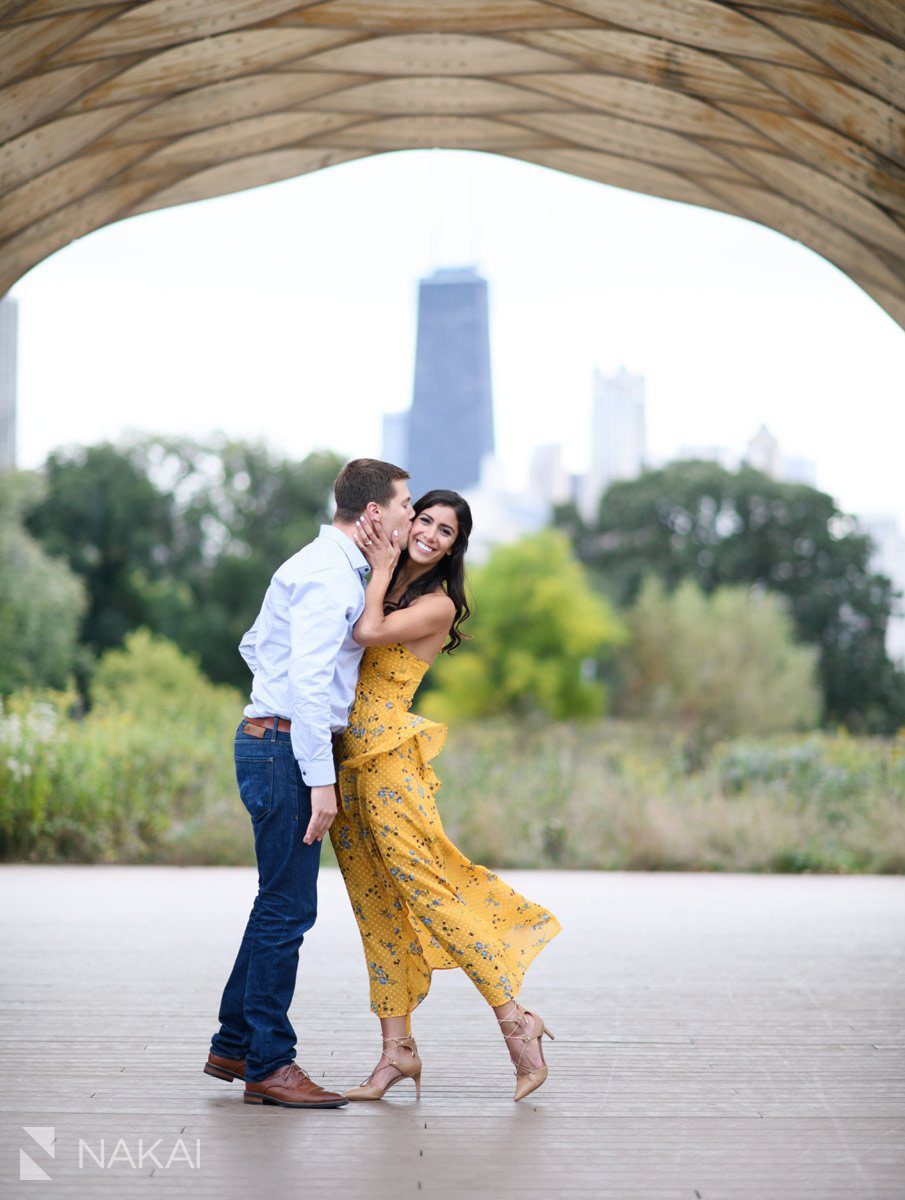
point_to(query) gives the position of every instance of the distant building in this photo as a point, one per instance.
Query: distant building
(548, 480)
(395, 439)
(576, 489)
(501, 516)
(763, 453)
(9, 338)
(450, 425)
(888, 559)
(618, 435)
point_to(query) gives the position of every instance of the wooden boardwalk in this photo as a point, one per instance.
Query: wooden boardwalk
(719, 1037)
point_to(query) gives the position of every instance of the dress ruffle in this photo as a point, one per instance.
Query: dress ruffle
(430, 736)
(380, 719)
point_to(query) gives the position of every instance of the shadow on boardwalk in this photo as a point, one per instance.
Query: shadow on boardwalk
(718, 1036)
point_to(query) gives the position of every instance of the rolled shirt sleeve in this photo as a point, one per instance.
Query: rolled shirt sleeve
(247, 647)
(319, 612)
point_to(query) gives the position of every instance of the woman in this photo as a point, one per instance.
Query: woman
(420, 904)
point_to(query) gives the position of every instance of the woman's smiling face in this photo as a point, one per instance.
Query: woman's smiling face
(433, 534)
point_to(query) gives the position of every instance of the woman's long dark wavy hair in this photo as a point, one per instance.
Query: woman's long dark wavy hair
(449, 572)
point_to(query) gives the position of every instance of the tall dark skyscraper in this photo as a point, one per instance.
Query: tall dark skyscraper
(450, 425)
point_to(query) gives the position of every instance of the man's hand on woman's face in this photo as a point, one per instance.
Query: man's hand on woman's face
(382, 552)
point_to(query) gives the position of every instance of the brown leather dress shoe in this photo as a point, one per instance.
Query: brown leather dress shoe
(291, 1087)
(225, 1068)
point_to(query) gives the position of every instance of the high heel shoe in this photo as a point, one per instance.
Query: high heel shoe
(410, 1069)
(529, 1081)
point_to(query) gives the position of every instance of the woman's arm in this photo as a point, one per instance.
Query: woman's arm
(428, 615)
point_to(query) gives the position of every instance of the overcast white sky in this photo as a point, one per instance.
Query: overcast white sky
(288, 313)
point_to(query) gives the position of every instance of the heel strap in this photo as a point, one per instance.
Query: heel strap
(520, 1037)
(408, 1041)
(519, 1013)
(400, 1041)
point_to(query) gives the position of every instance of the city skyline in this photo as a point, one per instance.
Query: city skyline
(173, 321)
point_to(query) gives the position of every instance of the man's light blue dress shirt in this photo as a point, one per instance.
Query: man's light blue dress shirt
(301, 651)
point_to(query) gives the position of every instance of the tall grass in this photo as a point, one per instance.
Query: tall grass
(620, 795)
(138, 784)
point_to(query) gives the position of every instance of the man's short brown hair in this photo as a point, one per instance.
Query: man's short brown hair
(361, 481)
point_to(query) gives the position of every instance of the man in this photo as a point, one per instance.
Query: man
(305, 667)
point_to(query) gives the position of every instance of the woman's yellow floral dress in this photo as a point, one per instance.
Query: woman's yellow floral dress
(421, 905)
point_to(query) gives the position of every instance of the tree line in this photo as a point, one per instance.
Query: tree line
(691, 581)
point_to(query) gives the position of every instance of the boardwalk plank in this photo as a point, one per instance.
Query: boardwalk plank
(725, 1037)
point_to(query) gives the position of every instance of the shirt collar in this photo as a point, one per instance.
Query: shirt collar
(357, 560)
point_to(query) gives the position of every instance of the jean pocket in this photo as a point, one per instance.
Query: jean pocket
(255, 779)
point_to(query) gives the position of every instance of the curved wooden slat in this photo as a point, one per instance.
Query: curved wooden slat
(435, 54)
(31, 154)
(237, 139)
(633, 140)
(703, 24)
(211, 61)
(457, 133)
(217, 104)
(430, 95)
(253, 171)
(787, 112)
(882, 16)
(842, 106)
(163, 23)
(652, 60)
(645, 102)
(851, 162)
(875, 65)
(441, 16)
(59, 187)
(31, 102)
(615, 171)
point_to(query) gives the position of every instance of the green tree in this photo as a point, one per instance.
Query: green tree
(537, 636)
(695, 520)
(150, 677)
(41, 600)
(103, 514)
(237, 511)
(179, 536)
(718, 665)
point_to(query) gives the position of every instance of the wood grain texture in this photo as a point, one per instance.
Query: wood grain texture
(787, 112)
(725, 1037)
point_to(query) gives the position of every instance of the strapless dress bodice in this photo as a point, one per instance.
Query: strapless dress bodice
(380, 719)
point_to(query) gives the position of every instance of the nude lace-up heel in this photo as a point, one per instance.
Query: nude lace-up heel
(410, 1069)
(529, 1081)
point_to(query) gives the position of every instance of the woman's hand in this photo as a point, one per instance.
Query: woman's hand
(382, 552)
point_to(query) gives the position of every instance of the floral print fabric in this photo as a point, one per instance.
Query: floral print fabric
(420, 904)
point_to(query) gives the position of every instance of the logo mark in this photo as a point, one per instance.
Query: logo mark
(44, 1136)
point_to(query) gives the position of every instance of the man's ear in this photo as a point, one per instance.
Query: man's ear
(372, 508)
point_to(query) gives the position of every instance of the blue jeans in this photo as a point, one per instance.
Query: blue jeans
(254, 1020)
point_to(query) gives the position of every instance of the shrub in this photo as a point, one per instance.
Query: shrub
(151, 757)
(535, 639)
(718, 665)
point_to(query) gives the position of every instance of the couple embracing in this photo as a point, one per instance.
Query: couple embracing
(328, 744)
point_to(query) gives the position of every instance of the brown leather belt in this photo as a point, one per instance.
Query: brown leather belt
(260, 725)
